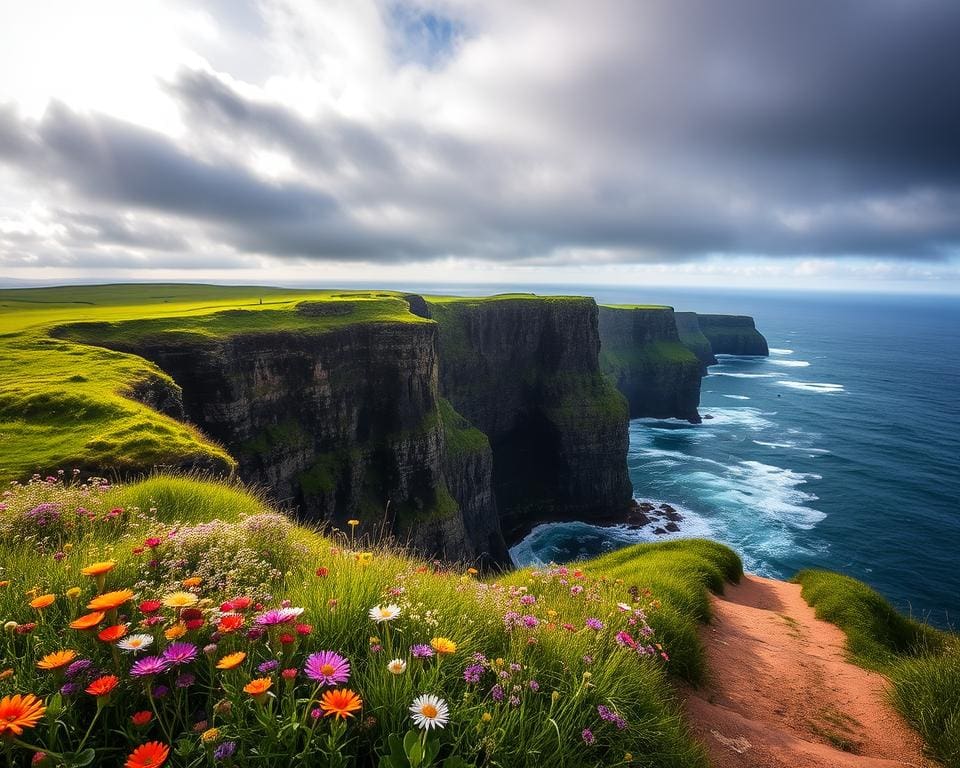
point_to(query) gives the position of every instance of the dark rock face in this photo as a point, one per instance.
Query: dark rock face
(733, 335)
(688, 329)
(526, 373)
(642, 353)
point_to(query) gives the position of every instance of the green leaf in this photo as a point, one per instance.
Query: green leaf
(79, 759)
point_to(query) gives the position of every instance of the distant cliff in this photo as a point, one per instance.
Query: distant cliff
(642, 353)
(733, 335)
(688, 329)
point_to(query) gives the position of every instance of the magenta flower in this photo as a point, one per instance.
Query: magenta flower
(180, 653)
(327, 668)
(595, 624)
(421, 651)
(587, 736)
(277, 616)
(149, 666)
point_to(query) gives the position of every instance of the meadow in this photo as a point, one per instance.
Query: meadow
(183, 620)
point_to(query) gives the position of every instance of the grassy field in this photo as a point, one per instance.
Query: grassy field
(564, 665)
(922, 663)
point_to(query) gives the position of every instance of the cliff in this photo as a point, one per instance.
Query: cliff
(642, 353)
(688, 329)
(525, 371)
(733, 335)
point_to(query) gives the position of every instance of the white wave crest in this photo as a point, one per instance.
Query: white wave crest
(822, 388)
(790, 363)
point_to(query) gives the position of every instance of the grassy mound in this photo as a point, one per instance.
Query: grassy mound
(923, 663)
(565, 664)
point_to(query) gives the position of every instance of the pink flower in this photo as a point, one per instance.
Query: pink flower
(327, 668)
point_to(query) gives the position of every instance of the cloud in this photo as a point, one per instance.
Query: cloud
(604, 133)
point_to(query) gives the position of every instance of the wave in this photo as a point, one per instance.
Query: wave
(790, 363)
(737, 397)
(744, 375)
(775, 445)
(814, 386)
(776, 351)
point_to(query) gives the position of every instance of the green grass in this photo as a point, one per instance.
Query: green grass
(922, 663)
(228, 537)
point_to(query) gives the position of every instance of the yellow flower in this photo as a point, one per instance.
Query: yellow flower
(73, 593)
(175, 632)
(99, 569)
(210, 735)
(180, 600)
(353, 523)
(193, 581)
(472, 571)
(365, 558)
(443, 645)
(487, 717)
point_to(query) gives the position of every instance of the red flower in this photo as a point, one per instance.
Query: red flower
(141, 718)
(289, 674)
(102, 686)
(138, 550)
(194, 624)
(153, 542)
(189, 614)
(241, 603)
(150, 606)
(230, 623)
(287, 639)
(322, 571)
(304, 629)
(153, 754)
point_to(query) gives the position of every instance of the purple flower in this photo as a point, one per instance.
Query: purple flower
(528, 600)
(69, 689)
(180, 653)
(594, 624)
(473, 673)
(530, 621)
(327, 668)
(277, 616)
(514, 701)
(159, 691)
(496, 693)
(511, 619)
(316, 713)
(225, 750)
(185, 680)
(587, 736)
(534, 686)
(268, 666)
(149, 666)
(421, 651)
(79, 667)
(611, 717)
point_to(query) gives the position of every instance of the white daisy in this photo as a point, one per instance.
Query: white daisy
(135, 643)
(381, 613)
(397, 667)
(429, 711)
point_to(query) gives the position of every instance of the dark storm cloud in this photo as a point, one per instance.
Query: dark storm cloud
(821, 127)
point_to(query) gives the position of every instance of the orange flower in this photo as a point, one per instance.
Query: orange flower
(443, 645)
(43, 601)
(193, 581)
(87, 621)
(176, 631)
(5, 583)
(99, 569)
(19, 712)
(56, 660)
(153, 754)
(230, 623)
(110, 600)
(180, 600)
(141, 718)
(341, 702)
(258, 687)
(112, 634)
(103, 685)
(231, 660)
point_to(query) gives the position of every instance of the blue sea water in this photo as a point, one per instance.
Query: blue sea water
(841, 450)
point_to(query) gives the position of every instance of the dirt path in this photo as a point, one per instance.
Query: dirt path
(783, 695)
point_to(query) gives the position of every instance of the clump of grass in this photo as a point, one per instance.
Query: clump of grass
(922, 663)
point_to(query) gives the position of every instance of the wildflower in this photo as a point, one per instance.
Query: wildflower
(225, 750)
(149, 666)
(141, 718)
(322, 571)
(421, 651)
(397, 667)
(110, 600)
(180, 653)
(231, 660)
(364, 558)
(19, 712)
(587, 735)
(624, 639)
(112, 634)
(193, 581)
(153, 542)
(176, 631)
(150, 606)
(473, 673)
(316, 713)
(382, 613)
(429, 711)
(102, 686)
(56, 660)
(241, 603)
(210, 735)
(472, 571)
(185, 680)
(73, 593)
(290, 674)
(69, 689)
(135, 643)
(210, 650)
(594, 624)
(6, 673)
(159, 691)
(268, 666)
(534, 686)
(79, 667)
(258, 688)
(10, 626)
(277, 616)
(496, 693)
(99, 569)
(88, 620)
(180, 600)
(304, 629)
(43, 601)
(24, 629)
(327, 668)
(230, 622)
(153, 754)
(340, 703)
(530, 622)
(443, 645)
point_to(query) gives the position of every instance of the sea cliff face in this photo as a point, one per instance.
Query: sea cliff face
(688, 329)
(642, 353)
(525, 372)
(733, 335)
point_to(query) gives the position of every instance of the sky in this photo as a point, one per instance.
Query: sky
(745, 143)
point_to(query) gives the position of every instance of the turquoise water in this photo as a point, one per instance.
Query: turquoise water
(841, 450)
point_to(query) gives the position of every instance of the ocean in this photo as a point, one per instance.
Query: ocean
(841, 450)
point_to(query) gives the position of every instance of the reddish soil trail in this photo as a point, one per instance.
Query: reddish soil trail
(782, 693)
